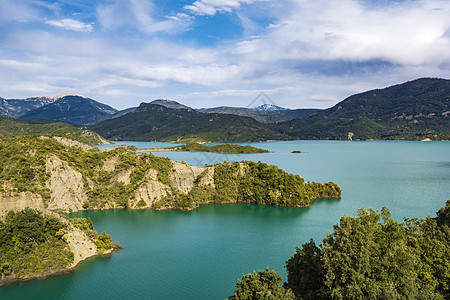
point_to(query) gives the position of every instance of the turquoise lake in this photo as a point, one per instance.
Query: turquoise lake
(201, 254)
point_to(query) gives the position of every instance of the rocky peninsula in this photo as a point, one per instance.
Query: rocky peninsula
(44, 175)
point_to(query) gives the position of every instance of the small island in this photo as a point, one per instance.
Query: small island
(296, 151)
(221, 148)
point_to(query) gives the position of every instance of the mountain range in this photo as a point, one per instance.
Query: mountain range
(417, 109)
(154, 122)
(263, 116)
(413, 110)
(62, 107)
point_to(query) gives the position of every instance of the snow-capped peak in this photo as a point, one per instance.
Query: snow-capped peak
(62, 94)
(269, 107)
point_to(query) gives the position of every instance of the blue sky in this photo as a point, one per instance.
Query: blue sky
(205, 53)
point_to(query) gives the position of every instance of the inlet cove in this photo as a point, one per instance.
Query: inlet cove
(202, 253)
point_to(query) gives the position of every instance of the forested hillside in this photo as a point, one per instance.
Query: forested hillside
(13, 128)
(413, 110)
(369, 256)
(66, 176)
(151, 122)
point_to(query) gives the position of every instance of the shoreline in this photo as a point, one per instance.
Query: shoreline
(5, 281)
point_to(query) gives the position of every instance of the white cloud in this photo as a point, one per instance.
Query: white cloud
(211, 7)
(408, 33)
(16, 11)
(71, 24)
(139, 14)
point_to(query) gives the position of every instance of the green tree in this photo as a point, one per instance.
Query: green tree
(264, 285)
(306, 274)
(372, 256)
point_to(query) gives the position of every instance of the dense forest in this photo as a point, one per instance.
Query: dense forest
(34, 244)
(369, 256)
(10, 128)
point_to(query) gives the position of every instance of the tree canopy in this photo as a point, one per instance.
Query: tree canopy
(372, 256)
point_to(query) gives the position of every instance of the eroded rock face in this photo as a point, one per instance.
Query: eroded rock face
(18, 201)
(110, 163)
(123, 176)
(184, 176)
(69, 189)
(150, 192)
(66, 184)
(80, 244)
(71, 142)
(208, 177)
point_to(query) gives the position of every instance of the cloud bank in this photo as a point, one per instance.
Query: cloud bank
(302, 53)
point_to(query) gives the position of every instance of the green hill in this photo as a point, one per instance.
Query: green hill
(13, 128)
(150, 122)
(272, 116)
(413, 110)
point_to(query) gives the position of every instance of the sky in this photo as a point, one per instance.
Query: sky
(208, 53)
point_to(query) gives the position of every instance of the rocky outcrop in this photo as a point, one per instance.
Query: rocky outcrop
(80, 244)
(66, 184)
(123, 176)
(207, 177)
(150, 192)
(110, 164)
(72, 143)
(183, 177)
(18, 201)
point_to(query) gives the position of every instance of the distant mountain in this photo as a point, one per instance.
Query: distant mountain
(413, 110)
(151, 122)
(269, 107)
(123, 112)
(270, 116)
(15, 108)
(13, 128)
(73, 109)
(169, 104)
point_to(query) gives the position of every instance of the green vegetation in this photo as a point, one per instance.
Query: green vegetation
(221, 148)
(10, 128)
(264, 285)
(247, 181)
(26, 159)
(371, 256)
(152, 122)
(102, 241)
(32, 244)
(414, 110)
(251, 182)
(273, 116)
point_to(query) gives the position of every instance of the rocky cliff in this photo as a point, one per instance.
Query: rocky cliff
(60, 174)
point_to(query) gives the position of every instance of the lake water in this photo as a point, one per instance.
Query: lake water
(201, 254)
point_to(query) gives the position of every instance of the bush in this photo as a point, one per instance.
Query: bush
(261, 285)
